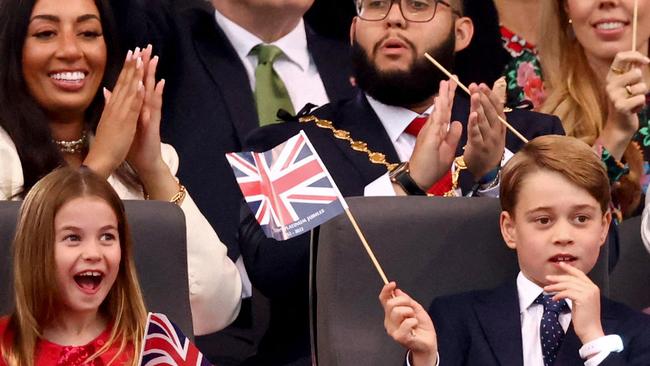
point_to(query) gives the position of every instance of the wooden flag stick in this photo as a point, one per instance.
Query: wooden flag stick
(370, 253)
(365, 245)
(635, 24)
(462, 86)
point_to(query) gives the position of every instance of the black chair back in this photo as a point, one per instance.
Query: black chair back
(630, 279)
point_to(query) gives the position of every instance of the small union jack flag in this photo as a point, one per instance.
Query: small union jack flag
(287, 187)
(165, 344)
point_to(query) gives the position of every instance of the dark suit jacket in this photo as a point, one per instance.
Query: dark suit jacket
(484, 328)
(209, 107)
(280, 270)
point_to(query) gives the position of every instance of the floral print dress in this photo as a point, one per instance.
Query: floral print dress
(523, 73)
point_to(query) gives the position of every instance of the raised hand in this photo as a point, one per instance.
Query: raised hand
(409, 324)
(119, 119)
(486, 135)
(626, 93)
(145, 154)
(435, 147)
(585, 295)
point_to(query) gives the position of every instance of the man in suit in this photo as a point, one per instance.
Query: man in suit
(555, 197)
(206, 56)
(397, 86)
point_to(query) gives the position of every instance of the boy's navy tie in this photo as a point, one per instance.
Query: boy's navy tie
(550, 329)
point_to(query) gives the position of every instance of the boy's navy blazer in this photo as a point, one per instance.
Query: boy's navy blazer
(209, 107)
(484, 328)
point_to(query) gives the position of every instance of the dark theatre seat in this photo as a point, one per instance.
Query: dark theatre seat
(429, 246)
(630, 280)
(160, 251)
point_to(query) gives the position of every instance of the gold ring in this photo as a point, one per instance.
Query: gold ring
(628, 89)
(616, 70)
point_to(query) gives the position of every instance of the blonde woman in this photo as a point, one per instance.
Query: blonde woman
(598, 86)
(84, 304)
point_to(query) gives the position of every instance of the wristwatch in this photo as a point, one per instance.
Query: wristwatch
(401, 175)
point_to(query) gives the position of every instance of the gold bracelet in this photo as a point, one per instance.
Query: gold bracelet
(179, 196)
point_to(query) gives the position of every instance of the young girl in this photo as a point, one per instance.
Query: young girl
(83, 304)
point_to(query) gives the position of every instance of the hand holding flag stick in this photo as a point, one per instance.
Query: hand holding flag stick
(462, 86)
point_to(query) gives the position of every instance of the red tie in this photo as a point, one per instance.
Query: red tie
(444, 184)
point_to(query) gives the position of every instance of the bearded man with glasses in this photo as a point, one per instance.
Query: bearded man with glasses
(419, 11)
(398, 87)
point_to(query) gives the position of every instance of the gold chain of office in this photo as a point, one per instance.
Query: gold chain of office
(377, 157)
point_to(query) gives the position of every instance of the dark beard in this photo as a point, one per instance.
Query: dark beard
(403, 88)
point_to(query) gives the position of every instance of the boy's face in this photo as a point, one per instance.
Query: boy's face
(554, 220)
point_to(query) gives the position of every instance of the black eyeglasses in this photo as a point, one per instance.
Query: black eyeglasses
(418, 11)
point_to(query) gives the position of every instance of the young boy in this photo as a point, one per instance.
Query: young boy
(555, 196)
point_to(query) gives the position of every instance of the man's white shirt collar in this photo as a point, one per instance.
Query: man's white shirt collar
(528, 291)
(395, 119)
(293, 45)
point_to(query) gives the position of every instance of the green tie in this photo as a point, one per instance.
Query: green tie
(270, 92)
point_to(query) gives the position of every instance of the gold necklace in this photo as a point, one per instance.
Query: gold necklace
(74, 146)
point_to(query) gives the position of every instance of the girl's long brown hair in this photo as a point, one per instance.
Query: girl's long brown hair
(37, 297)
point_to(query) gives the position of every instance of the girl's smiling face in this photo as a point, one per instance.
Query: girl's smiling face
(87, 253)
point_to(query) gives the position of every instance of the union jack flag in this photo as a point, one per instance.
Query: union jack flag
(165, 344)
(288, 187)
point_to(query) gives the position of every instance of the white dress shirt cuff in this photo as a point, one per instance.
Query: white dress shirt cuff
(381, 186)
(600, 348)
(408, 359)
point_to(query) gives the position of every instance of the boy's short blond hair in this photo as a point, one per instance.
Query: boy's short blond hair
(568, 156)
